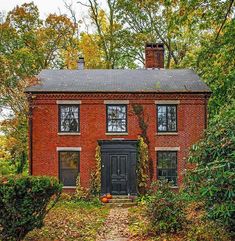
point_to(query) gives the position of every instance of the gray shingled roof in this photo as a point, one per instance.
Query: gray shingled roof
(119, 80)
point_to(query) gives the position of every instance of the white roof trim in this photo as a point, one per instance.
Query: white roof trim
(68, 148)
(168, 148)
(68, 102)
(118, 102)
(167, 102)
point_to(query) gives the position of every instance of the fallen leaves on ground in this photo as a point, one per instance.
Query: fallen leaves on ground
(71, 221)
(116, 226)
(139, 227)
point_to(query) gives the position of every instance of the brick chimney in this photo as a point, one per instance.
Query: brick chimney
(81, 63)
(154, 55)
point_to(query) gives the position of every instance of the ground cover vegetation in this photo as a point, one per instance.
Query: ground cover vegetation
(71, 219)
(163, 214)
(196, 34)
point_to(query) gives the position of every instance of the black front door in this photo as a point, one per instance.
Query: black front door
(118, 167)
(118, 172)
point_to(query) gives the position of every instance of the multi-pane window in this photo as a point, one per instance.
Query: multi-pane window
(167, 166)
(69, 167)
(69, 118)
(116, 118)
(167, 118)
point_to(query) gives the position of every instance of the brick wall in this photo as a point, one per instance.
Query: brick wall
(45, 138)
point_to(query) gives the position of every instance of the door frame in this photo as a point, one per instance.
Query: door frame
(125, 147)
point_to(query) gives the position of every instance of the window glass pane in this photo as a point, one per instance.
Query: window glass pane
(68, 177)
(167, 118)
(167, 165)
(171, 116)
(69, 118)
(162, 118)
(116, 115)
(69, 167)
(69, 160)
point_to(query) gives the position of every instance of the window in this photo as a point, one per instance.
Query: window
(69, 164)
(167, 166)
(167, 118)
(69, 118)
(116, 118)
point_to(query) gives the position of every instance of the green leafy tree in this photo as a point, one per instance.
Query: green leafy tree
(213, 178)
(179, 25)
(27, 45)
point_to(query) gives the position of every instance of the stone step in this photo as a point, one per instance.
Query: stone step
(119, 200)
(121, 205)
(121, 197)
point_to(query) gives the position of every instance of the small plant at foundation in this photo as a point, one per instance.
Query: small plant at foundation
(81, 192)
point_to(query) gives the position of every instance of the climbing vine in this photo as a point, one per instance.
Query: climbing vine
(95, 183)
(143, 123)
(142, 165)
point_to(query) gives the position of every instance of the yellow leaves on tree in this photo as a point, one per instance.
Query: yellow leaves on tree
(93, 54)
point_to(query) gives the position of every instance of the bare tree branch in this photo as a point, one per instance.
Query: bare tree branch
(225, 19)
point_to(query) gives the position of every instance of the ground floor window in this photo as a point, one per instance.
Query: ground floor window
(69, 167)
(167, 166)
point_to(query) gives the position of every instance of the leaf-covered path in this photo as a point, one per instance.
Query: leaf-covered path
(115, 227)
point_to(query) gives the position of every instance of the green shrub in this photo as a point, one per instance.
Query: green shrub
(200, 228)
(213, 178)
(24, 204)
(165, 209)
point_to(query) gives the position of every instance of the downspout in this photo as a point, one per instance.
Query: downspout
(206, 111)
(30, 124)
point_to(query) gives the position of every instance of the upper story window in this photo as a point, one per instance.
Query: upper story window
(69, 118)
(167, 166)
(116, 118)
(167, 118)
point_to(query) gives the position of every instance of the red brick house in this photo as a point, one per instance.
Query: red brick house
(72, 111)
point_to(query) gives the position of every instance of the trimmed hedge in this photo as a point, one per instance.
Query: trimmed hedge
(24, 204)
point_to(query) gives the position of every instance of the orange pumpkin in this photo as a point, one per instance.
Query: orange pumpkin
(104, 200)
(109, 196)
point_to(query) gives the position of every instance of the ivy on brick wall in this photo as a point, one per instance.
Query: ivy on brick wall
(95, 181)
(142, 165)
(143, 121)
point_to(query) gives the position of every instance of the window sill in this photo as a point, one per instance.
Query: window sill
(116, 134)
(69, 133)
(175, 187)
(68, 187)
(167, 133)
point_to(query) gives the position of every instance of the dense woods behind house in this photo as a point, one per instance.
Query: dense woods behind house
(196, 34)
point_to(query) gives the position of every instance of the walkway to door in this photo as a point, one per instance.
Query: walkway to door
(115, 227)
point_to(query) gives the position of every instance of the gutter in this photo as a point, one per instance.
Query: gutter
(208, 92)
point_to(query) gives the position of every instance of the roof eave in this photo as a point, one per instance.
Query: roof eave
(118, 92)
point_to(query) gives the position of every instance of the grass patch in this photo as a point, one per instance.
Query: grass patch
(71, 220)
